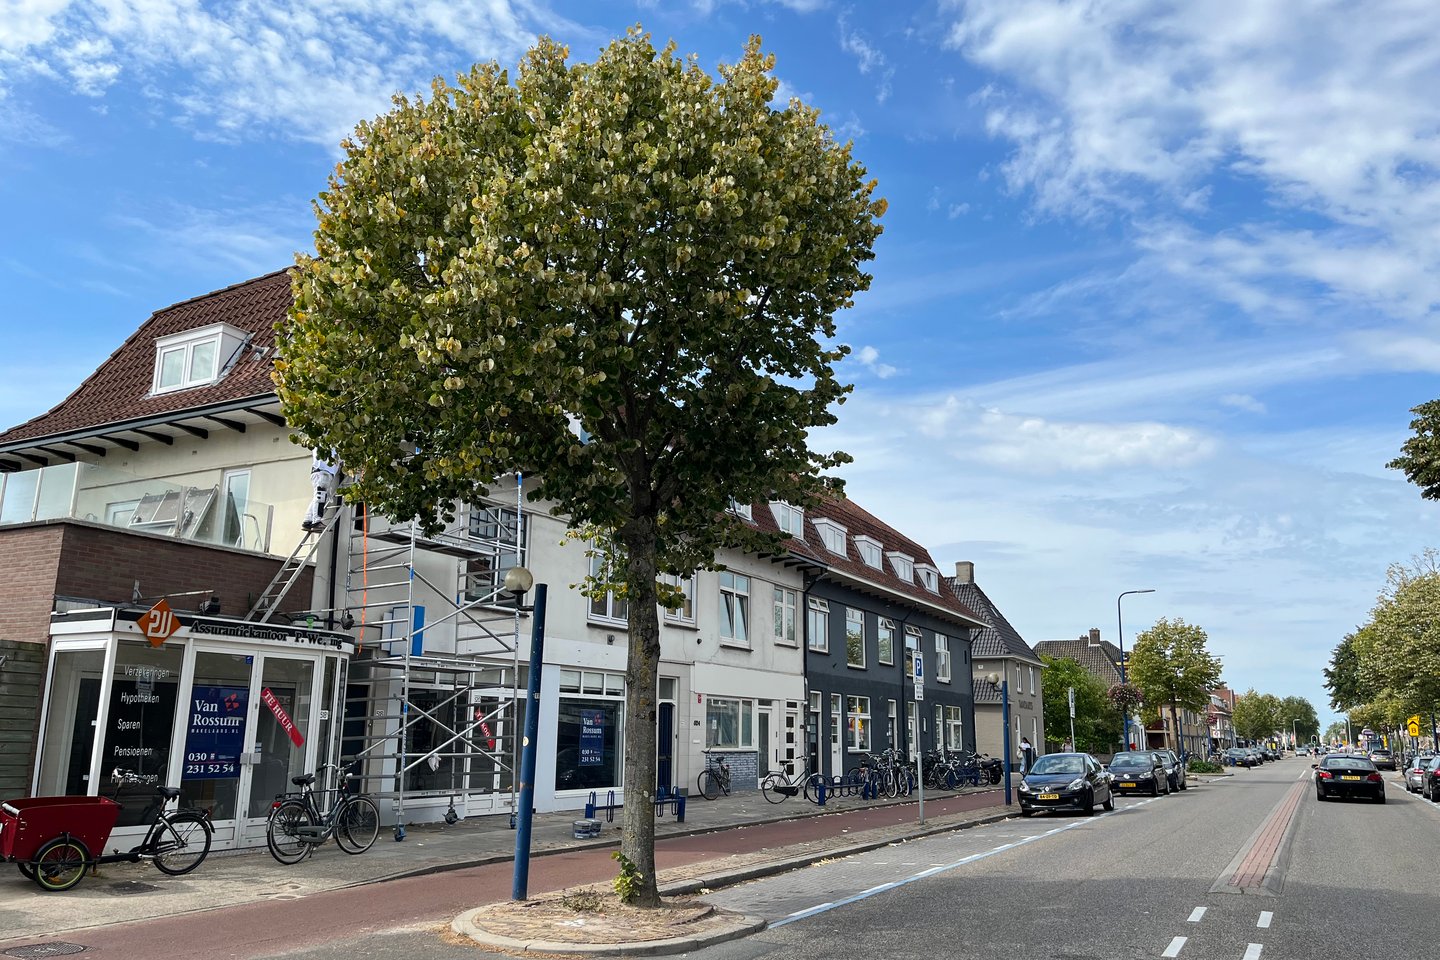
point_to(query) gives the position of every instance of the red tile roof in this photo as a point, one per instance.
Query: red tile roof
(119, 390)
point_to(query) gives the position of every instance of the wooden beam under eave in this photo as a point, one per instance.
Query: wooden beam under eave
(237, 425)
(88, 447)
(274, 419)
(164, 438)
(130, 445)
(40, 461)
(200, 432)
(65, 455)
(10, 466)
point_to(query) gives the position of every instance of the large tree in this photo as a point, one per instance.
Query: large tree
(1294, 709)
(1398, 651)
(618, 277)
(1172, 667)
(1256, 715)
(1097, 722)
(1420, 455)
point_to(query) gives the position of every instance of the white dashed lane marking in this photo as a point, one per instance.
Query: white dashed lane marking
(1265, 918)
(1252, 952)
(1175, 947)
(1196, 914)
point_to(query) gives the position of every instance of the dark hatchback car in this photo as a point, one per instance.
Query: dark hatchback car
(1138, 771)
(1339, 775)
(1383, 759)
(1065, 781)
(1174, 768)
(1240, 757)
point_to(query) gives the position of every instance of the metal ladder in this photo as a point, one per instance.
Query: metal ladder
(290, 570)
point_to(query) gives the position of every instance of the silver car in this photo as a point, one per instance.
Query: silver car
(1415, 773)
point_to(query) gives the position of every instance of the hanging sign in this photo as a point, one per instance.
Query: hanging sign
(592, 737)
(216, 734)
(286, 724)
(159, 623)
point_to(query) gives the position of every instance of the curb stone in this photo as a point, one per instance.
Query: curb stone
(465, 926)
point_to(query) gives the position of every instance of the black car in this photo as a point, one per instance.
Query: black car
(1174, 768)
(1065, 781)
(1240, 757)
(1138, 771)
(1430, 782)
(1339, 775)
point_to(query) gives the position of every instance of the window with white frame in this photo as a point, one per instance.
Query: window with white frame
(685, 613)
(590, 730)
(817, 629)
(729, 723)
(831, 534)
(937, 732)
(904, 566)
(929, 576)
(869, 551)
(942, 658)
(741, 510)
(734, 608)
(607, 607)
(1032, 678)
(954, 729)
(789, 519)
(858, 723)
(912, 646)
(786, 616)
(194, 358)
(912, 726)
(886, 652)
(892, 726)
(497, 539)
(837, 715)
(854, 637)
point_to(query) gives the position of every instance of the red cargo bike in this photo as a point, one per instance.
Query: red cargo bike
(54, 839)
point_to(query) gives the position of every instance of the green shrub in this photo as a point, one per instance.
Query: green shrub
(1204, 766)
(628, 883)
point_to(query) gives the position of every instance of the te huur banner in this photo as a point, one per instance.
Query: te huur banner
(217, 733)
(592, 737)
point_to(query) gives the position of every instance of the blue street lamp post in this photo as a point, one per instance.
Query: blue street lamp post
(517, 581)
(1120, 633)
(1004, 685)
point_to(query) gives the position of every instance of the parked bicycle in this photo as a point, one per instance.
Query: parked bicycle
(53, 839)
(779, 785)
(297, 824)
(715, 778)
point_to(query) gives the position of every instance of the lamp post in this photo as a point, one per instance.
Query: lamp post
(518, 581)
(1120, 633)
(1003, 683)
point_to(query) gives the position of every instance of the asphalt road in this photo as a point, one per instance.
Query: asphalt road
(1350, 878)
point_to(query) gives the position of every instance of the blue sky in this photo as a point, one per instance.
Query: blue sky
(1157, 289)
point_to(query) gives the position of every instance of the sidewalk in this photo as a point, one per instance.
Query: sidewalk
(781, 837)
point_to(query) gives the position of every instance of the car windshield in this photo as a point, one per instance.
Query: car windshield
(1059, 763)
(1348, 763)
(1127, 760)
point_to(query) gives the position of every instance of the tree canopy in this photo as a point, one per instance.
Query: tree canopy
(618, 277)
(1097, 722)
(1256, 715)
(1172, 666)
(1419, 456)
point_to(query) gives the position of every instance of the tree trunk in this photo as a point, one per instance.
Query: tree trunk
(638, 841)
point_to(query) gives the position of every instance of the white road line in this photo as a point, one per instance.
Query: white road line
(1265, 917)
(1196, 914)
(963, 861)
(1175, 946)
(877, 889)
(1252, 952)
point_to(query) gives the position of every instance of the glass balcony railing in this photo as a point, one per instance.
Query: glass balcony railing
(210, 507)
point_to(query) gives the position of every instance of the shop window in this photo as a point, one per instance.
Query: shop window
(587, 743)
(140, 724)
(729, 723)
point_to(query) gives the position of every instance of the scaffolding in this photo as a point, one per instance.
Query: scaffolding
(429, 723)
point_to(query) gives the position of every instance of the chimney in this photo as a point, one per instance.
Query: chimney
(964, 571)
(1094, 636)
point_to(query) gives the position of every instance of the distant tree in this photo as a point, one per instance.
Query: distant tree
(1256, 715)
(1398, 654)
(1097, 722)
(1172, 667)
(1342, 676)
(1293, 708)
(1420, 455)
(1335, 732)
(617, 277)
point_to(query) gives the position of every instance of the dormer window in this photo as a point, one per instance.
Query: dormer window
(904, 566)
(194, 358)
(869, 550)
(929, 576)
(741, 510)
(831, 534)
(789, 519)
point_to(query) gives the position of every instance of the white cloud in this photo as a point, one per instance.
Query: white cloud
(869, 357)
(869, 59)
(288, 66)
(1142, 108)
(1242, 401)
(958, 210)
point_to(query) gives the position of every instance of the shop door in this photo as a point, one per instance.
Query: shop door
(283, 713)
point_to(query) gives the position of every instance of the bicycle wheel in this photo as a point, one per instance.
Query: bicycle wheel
(282, 834)
(181, 842)
(892, 783)
(60, 864)
(813, 783)
(708, 784)
(769, 786)
(358, 825)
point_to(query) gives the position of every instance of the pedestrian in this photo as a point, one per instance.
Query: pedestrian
(1027, 755)
(324, 478)
(1068, 747)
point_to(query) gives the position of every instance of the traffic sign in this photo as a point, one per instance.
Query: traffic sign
(1072, 703)
(159, 623)
(919, 676)
(1412, 726)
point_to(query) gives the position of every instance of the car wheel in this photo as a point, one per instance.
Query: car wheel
(1319, 794)
(1089, 808)
(1026, 813)
(1155, 788)
(1184, 784)
(1381, 798)
(1110, 801)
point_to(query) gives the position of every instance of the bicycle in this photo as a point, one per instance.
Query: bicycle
(715, 778)
(297, 824)
(777, 786)
(62, 831)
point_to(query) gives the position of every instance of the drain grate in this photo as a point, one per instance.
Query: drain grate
(131, 886)
(35, 951)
